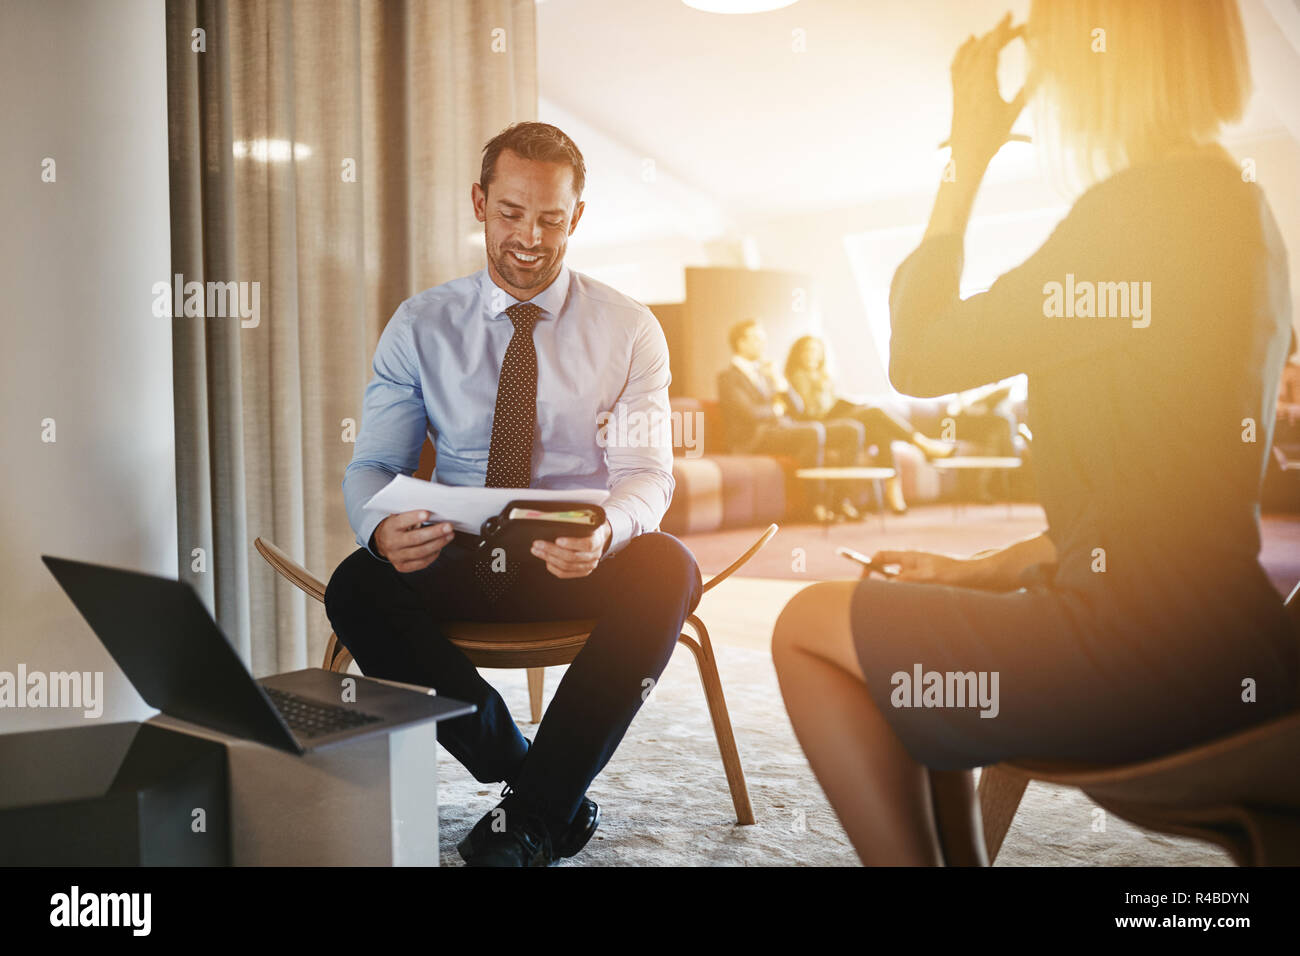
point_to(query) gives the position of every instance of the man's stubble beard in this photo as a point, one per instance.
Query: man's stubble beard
(524, 281)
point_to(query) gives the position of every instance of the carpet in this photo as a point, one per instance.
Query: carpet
(665, 799)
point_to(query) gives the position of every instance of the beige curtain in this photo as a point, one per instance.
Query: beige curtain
(270, 109)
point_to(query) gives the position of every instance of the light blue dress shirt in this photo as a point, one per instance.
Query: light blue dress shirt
(436, 369)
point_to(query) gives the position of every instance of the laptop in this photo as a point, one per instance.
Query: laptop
(161, 635)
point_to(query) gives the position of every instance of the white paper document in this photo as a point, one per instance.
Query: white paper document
(464, 506)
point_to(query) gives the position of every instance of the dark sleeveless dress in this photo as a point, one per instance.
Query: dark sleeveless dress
(1152, 419)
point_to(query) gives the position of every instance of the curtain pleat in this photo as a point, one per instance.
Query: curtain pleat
(260, 127)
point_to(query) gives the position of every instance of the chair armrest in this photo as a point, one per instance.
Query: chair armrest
(741, 561)
(290, 570)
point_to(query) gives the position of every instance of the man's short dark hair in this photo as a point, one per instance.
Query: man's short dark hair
(737, 331)
(540, 142)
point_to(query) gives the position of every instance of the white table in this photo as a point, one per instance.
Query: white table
(979, 463)
(372, 801)
(853, 473)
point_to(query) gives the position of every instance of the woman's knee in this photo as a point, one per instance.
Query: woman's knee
(849, 429)
(850, 436)
(816, 621)
(869, 416)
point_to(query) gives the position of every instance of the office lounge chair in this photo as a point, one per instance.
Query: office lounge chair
(1241, 791)
(541, 644)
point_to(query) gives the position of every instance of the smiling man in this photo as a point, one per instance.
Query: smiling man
(510, 370)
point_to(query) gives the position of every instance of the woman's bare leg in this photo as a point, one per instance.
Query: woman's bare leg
(957, 812)
(881, 795)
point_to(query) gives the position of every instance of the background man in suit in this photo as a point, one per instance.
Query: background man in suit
(759, 411)
(511, 370)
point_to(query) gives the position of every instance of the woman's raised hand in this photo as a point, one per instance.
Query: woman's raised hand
(981, 118)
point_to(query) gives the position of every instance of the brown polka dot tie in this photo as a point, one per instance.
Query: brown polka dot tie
(510, 455)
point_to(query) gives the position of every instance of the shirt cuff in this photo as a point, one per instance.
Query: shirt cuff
(366, 533)
(622, 530)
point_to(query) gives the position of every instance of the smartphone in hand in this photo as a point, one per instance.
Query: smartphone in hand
(887, 570)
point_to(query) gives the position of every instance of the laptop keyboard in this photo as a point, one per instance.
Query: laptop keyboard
(313, 719)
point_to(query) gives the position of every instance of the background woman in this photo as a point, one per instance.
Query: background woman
(1141, 622)
(805, 370)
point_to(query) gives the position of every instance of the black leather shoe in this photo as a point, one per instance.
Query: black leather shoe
(567, 844)
(524, 842)
(580, 829)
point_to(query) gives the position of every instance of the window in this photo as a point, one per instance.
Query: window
(994, 244)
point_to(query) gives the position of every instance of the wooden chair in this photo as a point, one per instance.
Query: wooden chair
(541, 644)
(1241, 791)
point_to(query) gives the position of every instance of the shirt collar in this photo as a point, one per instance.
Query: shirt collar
(550, 300)
(752, 373)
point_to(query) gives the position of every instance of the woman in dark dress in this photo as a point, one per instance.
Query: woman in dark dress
(805, 371)
(1141, 621)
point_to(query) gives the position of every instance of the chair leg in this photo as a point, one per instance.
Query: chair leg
(536, 684)
(703, 651)
(1000, 791)
(337, 657)
(1274, 837)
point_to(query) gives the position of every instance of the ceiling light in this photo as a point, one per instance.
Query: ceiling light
(737, 6)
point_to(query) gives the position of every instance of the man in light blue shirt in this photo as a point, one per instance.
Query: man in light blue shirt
(525, 348)
(436, 368)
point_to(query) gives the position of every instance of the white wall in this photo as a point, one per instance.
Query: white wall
(642, 223)
(650, 271)
(84, 83)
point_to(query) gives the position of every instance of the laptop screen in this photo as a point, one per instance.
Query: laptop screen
(160, 634)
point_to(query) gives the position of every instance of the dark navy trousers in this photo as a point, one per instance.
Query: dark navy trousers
(640, 596)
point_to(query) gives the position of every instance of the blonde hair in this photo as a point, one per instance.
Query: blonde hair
(1117, 82)
(794, 358)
